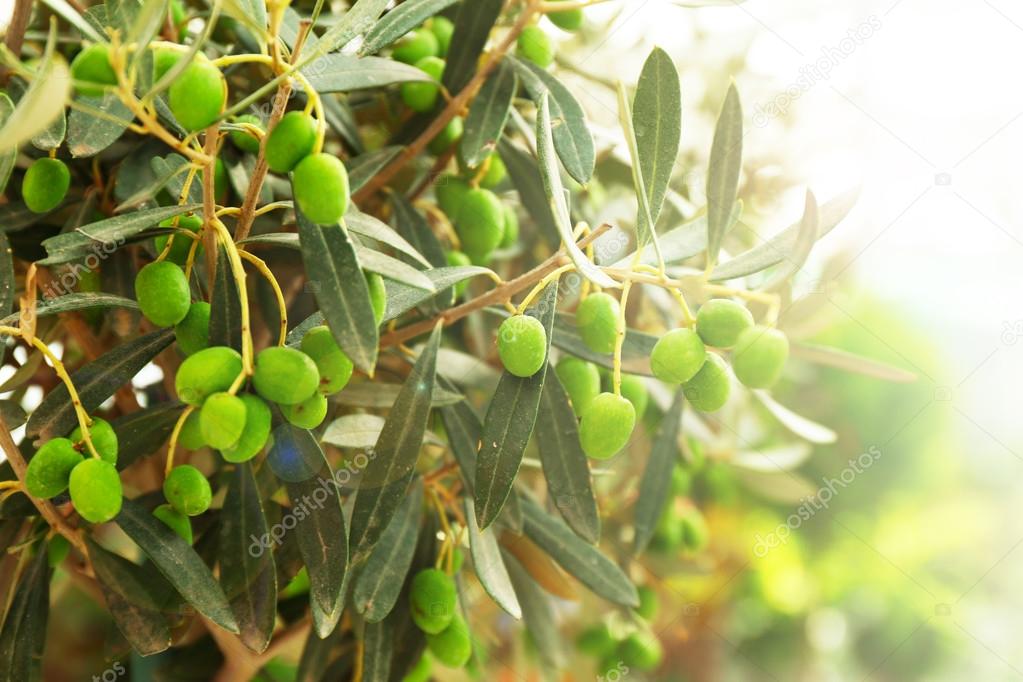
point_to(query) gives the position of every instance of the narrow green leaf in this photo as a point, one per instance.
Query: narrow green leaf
(538, 613)
(380, 582)
(809, 230)
(525, 176)
(399, 21)
(142, 433)
(849, 362)
(402, 298)
(723, 173)
(7, 294)
(572, 137)
(95, 382)
(677, 244)
(796, 423)
(362, 168)
(473, 24)
(489, 565)
(225, 306)
(345, 73)
(655, 487)
(575, 555)
(340, 289)
(128, 592)
(392, 269)
(247, 571)
(316, 656)
(165, 176)
(252, 13)
(384, 396)
(24, 631)
(412, 226)
(8, 158)
(385, 481)
(359, 19)
(68, 302)
(62, 8)
(41, 104)
(105, 236)
(509, 424)
(565, 466)
(367, 226)
(465, 431)
(178, 562)
(377, 651)
(488, 115)
(657, 121)
(166, 167)
(96, 123)
(645, 223)
(555, 192)
(322, 536)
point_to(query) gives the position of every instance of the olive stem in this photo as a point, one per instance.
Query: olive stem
(238, 271)
(173, 444)
(282, 305)
(541, 285)
(620, 338)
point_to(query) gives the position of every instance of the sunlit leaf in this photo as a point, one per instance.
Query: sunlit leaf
(723, 174)
(840, 359)
(657, 122)
(488, 115)
(796, 423)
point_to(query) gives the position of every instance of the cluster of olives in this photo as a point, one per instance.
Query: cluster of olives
(434, 605)
(425, 48)
(94, 484)
(535, 45)
(633, 645)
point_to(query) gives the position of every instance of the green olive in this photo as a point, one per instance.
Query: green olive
(450, 191)
(581, 380)
(209, 371)
(164, 59)
(254, 435)
(522, 345)
(641, 651)
(568, 20)
(307, 414)
(634, 390)
(103, 438)
(377, 295)
(320, 184)
(759, 356)
(187, 490)
(290, 141)
(284, 375)
(419, 95)
(162, 293)
(50, 468)
(432, 599)
(335, 368)
(191, 437)
(480, 224)
(535, 45)
(677, 356)
(442, 28)
(720, 321)
(175, 520)
(244, 140)
(182, 244)
(511, 228)
(695, 534)
(596, 640)
(606, 426)
(421, 671)
(96, 491)
(198, 95)
(451, 134)
(496, 172)
(92, 69)
(647, 609)
(452, 646)
(222, 420)
(45, 185)
(458, 259)
(709, 388)
(416, 45)
(597, 320)
(193, 332)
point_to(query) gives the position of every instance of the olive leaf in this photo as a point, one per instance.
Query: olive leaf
(488, 564)
(377, 650)
(538, 614)
(464, 430)
(655, 486)
(399, 21)
(359, 19)
(362, 168)
(525, 176)
(796, 423)
(509, 424)
(385, 481)
(645, 222)
(345, 73)
(850, 362)
(807, 236)
(657, 122)
(487, 115)
(141, 433)
(225, 306)
(74, 302)
(42, 102)
(96, 123)
(636, 348)
(24, 630)
(473, 25)
(723, 173)
(9, 157)
(6, 279)
(367, 226)
(65, 10)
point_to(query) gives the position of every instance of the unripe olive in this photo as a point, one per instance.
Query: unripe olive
(420, 95)
(416, 45)
(511, 228)
(647, 609)
(179, 16)
(162, 293)
(246, 141)
(451, 134)
(96, 490)
(193, 332)
(175, 520)
(641, 651)
(708, 390)
(720, 322)
(164, 59)
(606, 425)
(57, 550)
(290, 141)
(219, 178)
(442, 28)
(668, 534)
(452, 646)
(634, 390)
(522, 345)
(420, 672)
(92, 69)
(209, 371)
(480, 224)
(596, 640)
(454, 259)
(50, 468)
(496, 172)
(307, 414)
(569, 19)
(222, 420)
(187, 490)
(581, 381)
(597, 320)
(432, 599)
(191, 437)
(677, 356)
(198, 95)
(45, 185)
(377, 295)
(681, 481)
(103, 437)
(450, 190)
(320, 184)
(335, 368)
(535, 45)
(255, 433)
(759, 356)
(284, 375)
(182, 243)
(695, 533)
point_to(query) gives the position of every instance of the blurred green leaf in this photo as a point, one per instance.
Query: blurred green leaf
(399, 21)
(53, 136)
(43, 101)
(377, 651)
(538, 614)
(363, 167)
(142, 433)
(367, 226)
(525, 176)
(806, 237)
(24, 631)
(62, 8)
(636, 348)
(655, 486)
(9, 157)
(796, 423)
(849, 362)
(225, 306)
(723, 174)
(488, 115)
(488, 564)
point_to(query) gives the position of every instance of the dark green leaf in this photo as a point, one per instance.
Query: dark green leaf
(126, 590)
(572, 137)
(178, 562)
(525, 175)
(95, 382)
(96, 124)
(489, 565)
(464, 430)
(723, 174)
(509, 424)
(401, 298)
(400, 21)
(340, 289)
(9, 157)
(393, 269)
(377, 650)
(170, 166)
(143, 432)
(225, 306)
(488, 115)
(575, 555)
(362, 168)
(69, 302)
(386, 479)
(655, 487)
(6, 278)
(345, 72)
(366, 225)
(322, 536)
(538, 613)
(565, 466)
(24, 631)
(379, 584)
(315, 657)
(247, 570)
(102, 238)
(635, 350)
(411, 224)
(472, 29)
(359, 19)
